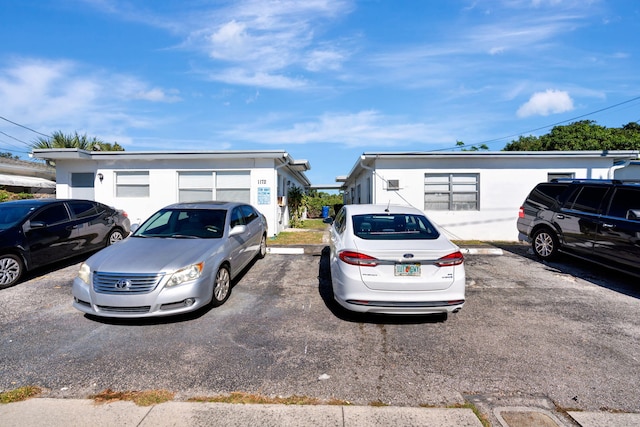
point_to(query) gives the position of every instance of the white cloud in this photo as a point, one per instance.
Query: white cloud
(362, 129)
(63, 95)
(545, 103)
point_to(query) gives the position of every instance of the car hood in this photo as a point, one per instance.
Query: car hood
(153, 255)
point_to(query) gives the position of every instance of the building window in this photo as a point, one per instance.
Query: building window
(132, 184)
(393, 184)
(452, 191)
(560, 175)
(195, 186)
(233, 186)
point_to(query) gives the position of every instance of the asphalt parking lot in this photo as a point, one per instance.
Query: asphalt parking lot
(564, 336)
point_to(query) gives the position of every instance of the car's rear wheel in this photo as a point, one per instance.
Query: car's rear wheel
(115, 236)
(545, 244)
(221, 287)
(263, 247)
(11, 268)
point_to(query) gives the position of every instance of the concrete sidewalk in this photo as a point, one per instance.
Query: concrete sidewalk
(82, 412)
(76, 412)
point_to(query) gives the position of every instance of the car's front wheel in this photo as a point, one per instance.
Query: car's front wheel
(545, 244)
(221, 287)
(11, 268)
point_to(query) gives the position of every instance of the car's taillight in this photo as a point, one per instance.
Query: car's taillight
(521, 212)
(356, 258)
(452, 259)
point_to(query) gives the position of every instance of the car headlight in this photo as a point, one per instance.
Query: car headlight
(186, 274)
(84, 273)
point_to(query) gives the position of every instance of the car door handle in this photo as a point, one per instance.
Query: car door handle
(604, 225)
(560, 216)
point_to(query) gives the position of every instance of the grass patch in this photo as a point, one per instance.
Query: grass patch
(297, 238)
(249, 398)
(140, 398)
(19, 394)
(378, 403)
(315, 224)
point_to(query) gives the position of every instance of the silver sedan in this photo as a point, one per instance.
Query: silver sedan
(184, 257)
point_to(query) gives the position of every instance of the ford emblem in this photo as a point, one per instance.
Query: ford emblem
(123, 284)
(407, 256)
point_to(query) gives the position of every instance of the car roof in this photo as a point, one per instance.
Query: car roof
(381, 209)
(208, 204)
(32, 202)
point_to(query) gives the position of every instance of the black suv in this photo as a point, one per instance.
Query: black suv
(597, 220)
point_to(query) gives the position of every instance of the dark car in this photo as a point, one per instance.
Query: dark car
(597, 220)
(37, 232)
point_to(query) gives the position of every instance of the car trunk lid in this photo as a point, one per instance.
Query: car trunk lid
(402, 269)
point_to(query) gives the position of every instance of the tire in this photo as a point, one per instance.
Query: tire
(11, 269)
(545, 244)
(221, 287)
(114, 236)
(263, 247)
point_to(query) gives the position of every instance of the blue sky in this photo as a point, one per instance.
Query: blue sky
(325, 80)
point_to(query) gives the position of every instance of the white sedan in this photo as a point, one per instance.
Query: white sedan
(393, 260)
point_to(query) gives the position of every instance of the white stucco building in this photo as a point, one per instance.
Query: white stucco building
(472, 195)
(143, 182)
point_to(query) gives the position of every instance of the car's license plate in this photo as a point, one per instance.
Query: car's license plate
(407, 269)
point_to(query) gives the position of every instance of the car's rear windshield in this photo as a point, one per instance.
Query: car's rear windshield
(184, 223)
(393, 227)
(10, 214)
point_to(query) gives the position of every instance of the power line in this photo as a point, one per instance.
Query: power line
(24, 127)
(547, 126)
(16, 139)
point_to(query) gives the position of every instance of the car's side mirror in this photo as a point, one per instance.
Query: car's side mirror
(328, 220)
(633, 214)
(238, 229)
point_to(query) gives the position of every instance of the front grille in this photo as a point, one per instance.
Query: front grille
(141, 309)
(125, 283)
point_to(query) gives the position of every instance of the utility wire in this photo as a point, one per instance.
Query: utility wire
(544, 127)
(24, 127)
(16, 139)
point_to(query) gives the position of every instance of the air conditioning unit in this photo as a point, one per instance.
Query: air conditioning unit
(393, 184)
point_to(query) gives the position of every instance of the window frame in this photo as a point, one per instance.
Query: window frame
(120, 187)
(451, 182)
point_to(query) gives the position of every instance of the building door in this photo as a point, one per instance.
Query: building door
(82, 184)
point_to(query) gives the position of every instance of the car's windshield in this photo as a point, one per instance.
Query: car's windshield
(184, 223)
(10, 215)
(393, 227)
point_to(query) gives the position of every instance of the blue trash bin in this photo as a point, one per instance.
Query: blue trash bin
(325, 211)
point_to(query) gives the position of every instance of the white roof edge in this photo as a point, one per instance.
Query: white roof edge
(71, 153)
(590, 153)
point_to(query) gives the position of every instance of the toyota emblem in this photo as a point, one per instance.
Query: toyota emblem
(123, 284)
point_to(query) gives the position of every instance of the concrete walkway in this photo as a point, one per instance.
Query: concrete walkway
(79, 412)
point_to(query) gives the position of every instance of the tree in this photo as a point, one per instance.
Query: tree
(59, 140)
(6, 155)
(476, 147)
(581, 135)
(296, 201)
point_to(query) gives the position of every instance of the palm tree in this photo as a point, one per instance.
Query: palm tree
(60, 140)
